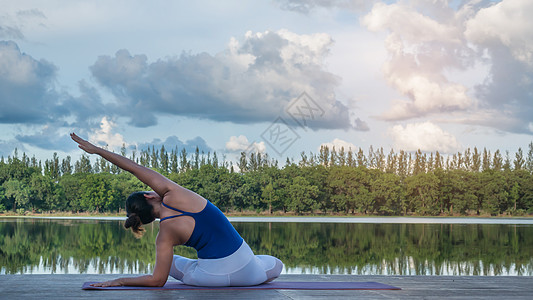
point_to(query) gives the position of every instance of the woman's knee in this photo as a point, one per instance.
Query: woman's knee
(272, 265)
(180, 266)
(263, 268)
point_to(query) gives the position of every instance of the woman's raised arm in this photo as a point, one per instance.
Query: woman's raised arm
(159, 183)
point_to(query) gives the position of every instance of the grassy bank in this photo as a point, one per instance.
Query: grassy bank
(252, 214)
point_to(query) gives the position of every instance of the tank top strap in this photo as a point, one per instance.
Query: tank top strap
(178, 210)
(182, 213)
(170, 217)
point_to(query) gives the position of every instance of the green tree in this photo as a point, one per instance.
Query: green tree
(184, 164)
(17, 192)
(529, 159)
(154, 158)
(361, 159)
(497, 161)
(350, 189)
(268, 195)
(52, 168)
(243, 163)
(196, 160)
(389, 194)
(341, 157)
(526, 191)
(403, 168)
(350, 160)
(518, 187)
(270, 187)
(3, 199)
(97, 193)
(391, 162)
(71, 185)
(208, 184)
(492, 195)
(420, 163)
(456, 190)
(66, 166)
(476, 160)
(303, 195)
(467, 159)
(486, 160)
(317, 176)
(438, 161)
(83, 165)
(323, 157)
(422, 193)
(45, 193)
(174, 161)
(165, 161)
(519, 162)
(250, 191)
(507, 161)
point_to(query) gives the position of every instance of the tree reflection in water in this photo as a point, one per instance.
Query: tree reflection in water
(102, 246)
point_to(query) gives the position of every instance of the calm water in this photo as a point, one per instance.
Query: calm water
(47, 246)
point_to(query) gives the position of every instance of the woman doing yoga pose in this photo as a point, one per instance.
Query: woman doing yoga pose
(186, 218)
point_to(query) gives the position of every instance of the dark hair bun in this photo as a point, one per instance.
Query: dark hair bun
(139, 212)
(134, 221)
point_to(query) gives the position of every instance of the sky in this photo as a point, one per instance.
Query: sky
(274, 76)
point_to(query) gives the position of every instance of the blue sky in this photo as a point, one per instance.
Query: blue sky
(277, 76)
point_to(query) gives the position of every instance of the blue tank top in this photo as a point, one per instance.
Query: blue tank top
(213, 235)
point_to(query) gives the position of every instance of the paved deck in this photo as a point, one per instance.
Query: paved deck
(413, 287)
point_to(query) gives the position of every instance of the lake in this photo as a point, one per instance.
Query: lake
(93, 246)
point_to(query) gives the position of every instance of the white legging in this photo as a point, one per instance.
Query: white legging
(242, 268)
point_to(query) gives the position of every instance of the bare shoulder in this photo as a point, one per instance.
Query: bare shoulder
(184, 199)
(175, 231)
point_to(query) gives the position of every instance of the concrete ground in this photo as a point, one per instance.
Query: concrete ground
(68, 286)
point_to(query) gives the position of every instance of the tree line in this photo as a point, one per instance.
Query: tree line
(332, 181)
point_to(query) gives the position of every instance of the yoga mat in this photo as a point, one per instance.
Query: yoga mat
(276, 285)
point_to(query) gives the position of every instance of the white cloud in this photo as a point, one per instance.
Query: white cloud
(253, 80)
(241, 143)
(50, 137)
(409, 24)
(105, 135)
(17, 68)
(339, 144)
(428, 97)
(424, 136)
(12, 24)
(306, 6)
(27, 94)
(508, 22)
(429, 40)
(503, 34)
(421, 49)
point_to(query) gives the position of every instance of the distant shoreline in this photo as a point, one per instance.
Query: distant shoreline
(253, 214)
(313, 219)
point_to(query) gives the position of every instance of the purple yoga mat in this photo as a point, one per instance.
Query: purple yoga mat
(276, 285)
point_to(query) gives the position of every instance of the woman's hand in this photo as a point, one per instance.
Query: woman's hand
(84, 145)
(115, 282)
(145, 280)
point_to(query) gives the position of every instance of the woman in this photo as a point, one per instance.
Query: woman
(186, 218)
